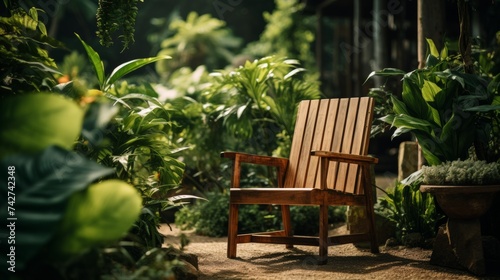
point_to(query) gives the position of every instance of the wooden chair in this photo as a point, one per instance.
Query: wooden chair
(328, 165)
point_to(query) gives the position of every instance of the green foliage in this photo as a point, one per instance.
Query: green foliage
(56, 187)
(75, 66)
(259, 101)
(25, 64)
(53, 172)
(462, 172)
(383, 107)
(199, 40)
(98, 215)
(305, 219)
(115, 15)
(32, 122)
(441, 106)
(137, 144)
(210, 217)
(136, 140)
(106, 82)
(288, 33)
(411, 210)
(196, 128)
(155, 264)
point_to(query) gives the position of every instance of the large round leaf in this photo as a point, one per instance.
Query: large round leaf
(43, 184)
(104, 212)
(32, 122)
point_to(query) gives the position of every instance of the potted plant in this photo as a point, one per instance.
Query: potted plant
(462, 187)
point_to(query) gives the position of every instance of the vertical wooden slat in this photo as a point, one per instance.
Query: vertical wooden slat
(337, 142)
(354, 140)
(328, 135)
(318, 137)
(344, 133)
(307, 141)
(354, 174)
(367, 124)
(298, 135)
(368, 116)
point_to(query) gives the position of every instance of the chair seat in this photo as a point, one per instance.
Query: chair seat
(293, 196)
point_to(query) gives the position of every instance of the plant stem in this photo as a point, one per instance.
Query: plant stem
(464, 41)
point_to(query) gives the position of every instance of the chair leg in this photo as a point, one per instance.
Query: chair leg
(287, 224)
(371, 229)
(370, 213)
(232, 231)
(323, 234)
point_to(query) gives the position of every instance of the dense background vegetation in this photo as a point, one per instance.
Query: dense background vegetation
(159, 108)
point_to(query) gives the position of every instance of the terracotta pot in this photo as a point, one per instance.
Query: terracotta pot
(463, 202)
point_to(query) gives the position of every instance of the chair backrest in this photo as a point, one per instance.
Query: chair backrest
(336, 125)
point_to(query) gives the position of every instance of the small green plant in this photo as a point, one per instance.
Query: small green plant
(410, 210)
(462, 172)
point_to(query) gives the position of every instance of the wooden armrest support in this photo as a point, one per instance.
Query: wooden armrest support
(256, 159)
(349, 158)
(238, 158)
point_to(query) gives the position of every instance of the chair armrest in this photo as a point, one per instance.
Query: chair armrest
(280, 163)
(342, 157)
(256, 159)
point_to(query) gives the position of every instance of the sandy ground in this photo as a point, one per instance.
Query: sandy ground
(269, 261)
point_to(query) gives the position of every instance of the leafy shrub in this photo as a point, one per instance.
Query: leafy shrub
(462, 172)
(210, 217)
(25, 64)
(410, 210)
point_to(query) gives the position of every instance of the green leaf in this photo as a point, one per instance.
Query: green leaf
(97, 117)
(406, 121)
(97, 215)
(485, 108)
(387, 119)
(399, 107)
(400, 131)
(430, 90)
(43, 184)
(96, 61)
(140, 96)
(386, 72)
(127, 67)
(33, 13)
(32, 122)
(293, 72)
(432, 48)
(444, 52)
(42, 28)
(412, 97)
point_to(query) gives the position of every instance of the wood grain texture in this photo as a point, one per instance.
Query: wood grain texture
(328, 165)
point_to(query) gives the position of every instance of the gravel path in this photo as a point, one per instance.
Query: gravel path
(269, 261)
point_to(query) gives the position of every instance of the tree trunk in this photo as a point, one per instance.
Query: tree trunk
(431, 22)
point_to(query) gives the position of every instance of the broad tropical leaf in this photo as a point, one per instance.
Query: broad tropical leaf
(129, 66)
(96, 61)
(44, 182)
(32, 122)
